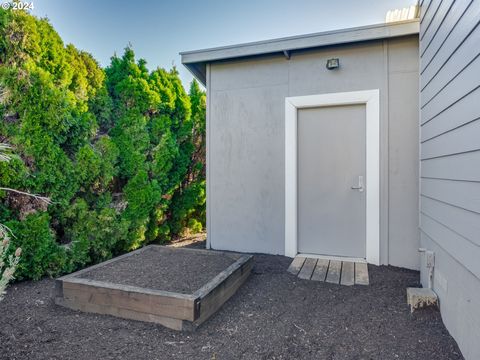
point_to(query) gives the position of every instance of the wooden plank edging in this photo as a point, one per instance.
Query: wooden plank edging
(229, 254)
(103, 263)
(175, 310)
(129, 288)
(217, 280)
(212, 300)
(172, 323)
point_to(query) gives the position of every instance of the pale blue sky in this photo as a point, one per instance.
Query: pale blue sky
(159, 30)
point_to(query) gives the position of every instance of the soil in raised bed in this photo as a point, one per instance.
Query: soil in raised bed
(177, 270)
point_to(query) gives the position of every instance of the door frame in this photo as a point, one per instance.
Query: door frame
(371, 99)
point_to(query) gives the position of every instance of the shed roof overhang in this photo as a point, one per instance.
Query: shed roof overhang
(197, 60)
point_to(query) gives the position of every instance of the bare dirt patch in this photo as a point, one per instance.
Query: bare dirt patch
(192, 241)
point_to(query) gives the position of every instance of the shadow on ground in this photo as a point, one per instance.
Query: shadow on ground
(274, 315)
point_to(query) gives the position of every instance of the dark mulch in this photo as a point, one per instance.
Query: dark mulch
(274, 315)
(166, 269)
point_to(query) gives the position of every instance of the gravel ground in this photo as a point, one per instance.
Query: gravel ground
(156, 268)
(274, 315)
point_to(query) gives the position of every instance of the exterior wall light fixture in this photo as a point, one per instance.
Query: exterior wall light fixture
(333, 63)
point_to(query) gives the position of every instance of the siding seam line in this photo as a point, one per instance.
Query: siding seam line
(438, 27)
(426, 12)
(449, 204)
(449, 254)
(451, 154)
(449, 81)
(450, 56)
(449, 228)
(432, 20)
(450, 130)
(448, 179)
(446, 38)
(460, 207)
(449, 106)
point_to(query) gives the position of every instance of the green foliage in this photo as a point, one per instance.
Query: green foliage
(93, 234)
(188, 203)
(141, 194)
(120, 151)
(41, 255)
(188, 208)
(194, 225)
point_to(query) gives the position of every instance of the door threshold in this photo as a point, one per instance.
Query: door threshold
(331, 257)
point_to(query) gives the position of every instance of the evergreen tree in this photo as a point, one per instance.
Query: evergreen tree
(120, 151)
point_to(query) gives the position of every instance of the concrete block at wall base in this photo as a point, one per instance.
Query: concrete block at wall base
(419, 298)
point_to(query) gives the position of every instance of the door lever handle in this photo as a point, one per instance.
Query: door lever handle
(359, 187)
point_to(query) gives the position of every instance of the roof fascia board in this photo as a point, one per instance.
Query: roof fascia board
(365, 33)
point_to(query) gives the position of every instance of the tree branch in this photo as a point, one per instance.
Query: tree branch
(38, 197)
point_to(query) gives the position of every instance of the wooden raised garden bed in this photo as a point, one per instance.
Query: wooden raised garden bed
(177, 287)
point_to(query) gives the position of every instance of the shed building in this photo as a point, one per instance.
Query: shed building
(312, 144)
